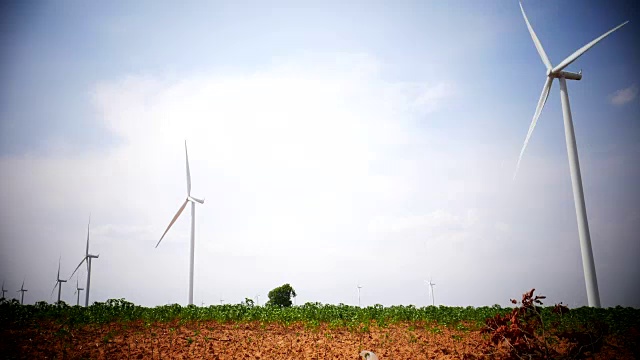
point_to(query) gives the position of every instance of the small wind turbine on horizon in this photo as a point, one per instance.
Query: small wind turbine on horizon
(258, 300)
(58, 283)
(193, 223)
(430, 284)
(572, 150)
(78, 289)
(3, 289)
(22, 290)
(87, 257)
(359, 287)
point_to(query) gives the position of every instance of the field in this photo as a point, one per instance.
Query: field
(120, 330)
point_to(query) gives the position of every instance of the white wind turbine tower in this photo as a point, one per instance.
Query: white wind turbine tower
(430, 285)
(22, 290)
(572, 151)
(78, 289)
(359, 287)
(58, 283)
(87, 257)
(3, 289)
(193, 223)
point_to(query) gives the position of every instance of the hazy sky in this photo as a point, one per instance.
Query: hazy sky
(335, 143)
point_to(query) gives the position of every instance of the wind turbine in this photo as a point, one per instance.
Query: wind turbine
(258, 300)
(22, 290)
(3, 289)
(78, 289)
(87, 257)
(193, 223)
(430, 284)
(58, 283)
(359, 287)
(572, 150)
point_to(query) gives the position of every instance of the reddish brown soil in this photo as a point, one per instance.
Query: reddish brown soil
(211, 340)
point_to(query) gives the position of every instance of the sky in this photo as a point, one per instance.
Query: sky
(335, 144)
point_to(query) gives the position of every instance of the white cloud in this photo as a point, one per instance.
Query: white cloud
(314, 173)
(624, 96)
(439, 219)
(287, 158)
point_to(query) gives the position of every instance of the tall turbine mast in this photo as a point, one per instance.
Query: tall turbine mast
(78, 289)
(58, 283)
(193, 202)
(359, 287)
(430, 284)
(22, 290)
(572, 149)
(87, 257)
(3, 289)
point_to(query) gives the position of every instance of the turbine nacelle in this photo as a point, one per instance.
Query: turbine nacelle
(567, 75)
(192, 199)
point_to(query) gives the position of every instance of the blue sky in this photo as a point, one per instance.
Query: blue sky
(334, 142)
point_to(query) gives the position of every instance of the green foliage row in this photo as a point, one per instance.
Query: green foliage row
(13, 314)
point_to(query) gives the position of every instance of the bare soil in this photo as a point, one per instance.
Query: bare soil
(212, 340)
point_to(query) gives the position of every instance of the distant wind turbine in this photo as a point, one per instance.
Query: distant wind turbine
(193, 223)
(78, 289)
(58, 283)
(359, 287)
(3, 289)
(87, 257)
(572, 150)
(22, 290)
(430, 284)
(258, 300)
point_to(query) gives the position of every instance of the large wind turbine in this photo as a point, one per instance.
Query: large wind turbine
(430, 284)
(58, 283)
(3, 289)
(193, 202)
(78, 289)
(22, 290)
(87, 257)
(572, 150)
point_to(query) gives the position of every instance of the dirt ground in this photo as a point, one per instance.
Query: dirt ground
(211, 340)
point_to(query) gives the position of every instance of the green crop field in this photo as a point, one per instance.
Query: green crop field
(117, 328)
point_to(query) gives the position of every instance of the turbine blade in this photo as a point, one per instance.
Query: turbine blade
(58, 277)
(87, 253)
(174, 220)
(188, 172)
(566, 62)
(77, 267)
(54, 289)
(536, 41)
(536, 115)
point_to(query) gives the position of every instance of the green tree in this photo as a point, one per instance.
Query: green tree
(281, 296)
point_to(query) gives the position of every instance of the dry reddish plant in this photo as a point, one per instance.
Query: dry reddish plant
(522, 332)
